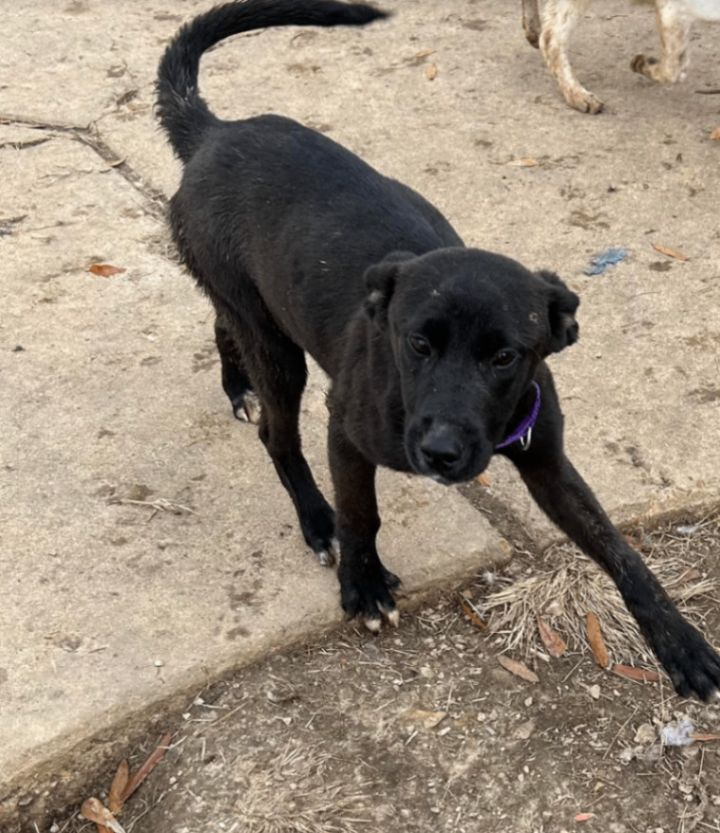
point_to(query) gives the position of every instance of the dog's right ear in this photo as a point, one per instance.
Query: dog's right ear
(380, 284)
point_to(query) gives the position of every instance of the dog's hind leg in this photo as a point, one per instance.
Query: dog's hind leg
(235, 381)
(674, 27)
(691, 663)
(276, 366)
(559, 19)
(531, 22)
(365, 584)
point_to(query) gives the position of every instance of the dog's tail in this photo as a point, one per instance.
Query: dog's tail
(183, 113)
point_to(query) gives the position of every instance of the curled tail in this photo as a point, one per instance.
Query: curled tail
(183, 113)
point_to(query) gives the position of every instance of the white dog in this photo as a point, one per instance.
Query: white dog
(674, 19)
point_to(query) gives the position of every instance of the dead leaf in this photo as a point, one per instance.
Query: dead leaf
(94, 810)
(431, 72)
(484, 480)
(526, 162)
(702, 736)
(423, 719)
(555, 644)
(472, 616)
(105, 270)
(669, 252)
(118, 787)
(715, 135)
(423, 53)
(519, 669)
(584, 816)
(597, 643)
(642, 675)
(149, 765)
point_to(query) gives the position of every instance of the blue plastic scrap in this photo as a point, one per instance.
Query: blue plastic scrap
(607, 257)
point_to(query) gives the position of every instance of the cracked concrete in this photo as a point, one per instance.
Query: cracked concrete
(112, 389)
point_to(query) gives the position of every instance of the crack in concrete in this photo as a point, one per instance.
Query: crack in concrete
(502, 515)
(7, 224)
(31, 143)
(89, 136)
(157, 201)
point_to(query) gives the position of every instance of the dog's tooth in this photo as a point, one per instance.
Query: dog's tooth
(373, 625)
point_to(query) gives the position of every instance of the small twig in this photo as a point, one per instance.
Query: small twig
(213, 723)
(149, 765)
(160, 503)
(572, 671)
(136, 819)
(619, 732)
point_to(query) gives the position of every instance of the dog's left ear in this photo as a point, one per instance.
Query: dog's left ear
(380, 283)
(562, 305)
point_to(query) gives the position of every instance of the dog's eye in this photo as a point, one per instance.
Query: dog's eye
(419, 344)
(504, 359)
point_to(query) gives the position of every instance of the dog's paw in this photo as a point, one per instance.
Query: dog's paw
(583, 100)
(246, 407)
(367, 594)
(318, 528)
(641, 63)
(656, 70)
(532, 33)
(328, 556)
(691, 663)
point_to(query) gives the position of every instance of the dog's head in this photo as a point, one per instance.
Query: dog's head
(467, 330)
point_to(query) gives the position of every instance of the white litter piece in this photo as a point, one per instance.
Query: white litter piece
(678, 734)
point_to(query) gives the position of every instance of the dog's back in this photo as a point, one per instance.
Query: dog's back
(271, 201)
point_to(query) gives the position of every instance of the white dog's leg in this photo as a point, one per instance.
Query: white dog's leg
(531, 22)
(559, 18)
(674, 21)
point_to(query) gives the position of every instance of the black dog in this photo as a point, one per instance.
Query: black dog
(435, 351)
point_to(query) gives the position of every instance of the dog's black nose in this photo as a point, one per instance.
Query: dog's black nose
(440, 449)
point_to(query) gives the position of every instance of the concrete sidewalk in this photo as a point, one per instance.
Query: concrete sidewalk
(147, 547)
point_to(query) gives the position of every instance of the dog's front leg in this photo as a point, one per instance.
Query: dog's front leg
(558, 22)
(365, 585)
(562, 494)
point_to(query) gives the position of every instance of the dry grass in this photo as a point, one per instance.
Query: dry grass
(296, 793)
(565, 585)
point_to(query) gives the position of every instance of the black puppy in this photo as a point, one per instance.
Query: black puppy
(435, 351)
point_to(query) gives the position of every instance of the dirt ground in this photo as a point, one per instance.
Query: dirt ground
(118, 601)
(423, 729)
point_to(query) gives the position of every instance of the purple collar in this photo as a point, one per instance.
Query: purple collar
(523, 433)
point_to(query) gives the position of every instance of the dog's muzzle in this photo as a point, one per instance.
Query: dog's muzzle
(442, 451)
